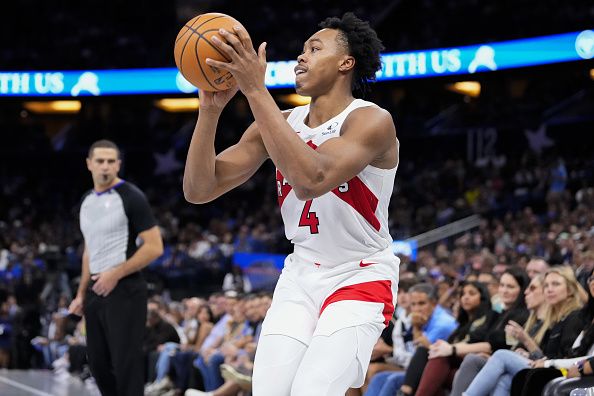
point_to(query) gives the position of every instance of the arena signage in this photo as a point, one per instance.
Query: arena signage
(402, 65)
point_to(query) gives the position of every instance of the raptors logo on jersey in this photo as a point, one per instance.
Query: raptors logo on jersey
(346, 224)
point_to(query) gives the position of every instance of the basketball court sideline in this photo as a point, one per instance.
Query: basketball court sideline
(42, 383)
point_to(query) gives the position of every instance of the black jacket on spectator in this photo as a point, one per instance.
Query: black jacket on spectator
(558, 341)
(496, 336)
(158, 334)
(556, 344)
(475, 331)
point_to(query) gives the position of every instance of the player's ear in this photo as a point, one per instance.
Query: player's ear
(346, 63)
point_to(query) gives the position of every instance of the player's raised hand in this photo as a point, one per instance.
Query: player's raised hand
(247, 66)
(216, 101)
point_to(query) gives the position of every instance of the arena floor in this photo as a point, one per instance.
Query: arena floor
(42, 383)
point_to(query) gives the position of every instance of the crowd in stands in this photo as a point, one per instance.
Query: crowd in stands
(488, 310)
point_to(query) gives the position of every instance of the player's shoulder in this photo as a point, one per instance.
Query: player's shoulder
(369, 116)
(364, 109)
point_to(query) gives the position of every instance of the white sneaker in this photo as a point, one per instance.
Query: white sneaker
(60, 363)
(159, 387)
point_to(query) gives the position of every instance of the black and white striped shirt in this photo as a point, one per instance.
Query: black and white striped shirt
(111, 221)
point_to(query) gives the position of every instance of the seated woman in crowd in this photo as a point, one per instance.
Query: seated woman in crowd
(184, 317)
(578, 366)
(238, 366)
(473, 362)
(528, 338)
(562, 323)
(535, 302)
(445, 358)
(475, 316)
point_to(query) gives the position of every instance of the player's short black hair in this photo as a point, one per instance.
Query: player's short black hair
(362, 43)
(103, 143)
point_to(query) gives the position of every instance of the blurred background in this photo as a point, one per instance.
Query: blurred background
(510, 149)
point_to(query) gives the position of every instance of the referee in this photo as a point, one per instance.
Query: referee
(112, 293)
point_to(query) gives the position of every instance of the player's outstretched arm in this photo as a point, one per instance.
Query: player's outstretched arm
(208, 175)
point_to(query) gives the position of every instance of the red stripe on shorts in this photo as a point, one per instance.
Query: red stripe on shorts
(375, 291)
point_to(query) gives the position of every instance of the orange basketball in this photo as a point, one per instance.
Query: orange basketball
(193, 45)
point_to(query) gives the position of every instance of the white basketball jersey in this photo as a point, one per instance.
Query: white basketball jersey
(346, 224)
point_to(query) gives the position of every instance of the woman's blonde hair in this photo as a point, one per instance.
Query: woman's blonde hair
(558, 312)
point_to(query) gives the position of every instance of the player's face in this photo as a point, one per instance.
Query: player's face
(104, 165)
(320, 63)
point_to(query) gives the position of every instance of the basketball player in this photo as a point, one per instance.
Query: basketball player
(112, 293)
(336, 160)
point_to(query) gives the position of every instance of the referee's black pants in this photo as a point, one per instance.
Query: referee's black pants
(115, 331)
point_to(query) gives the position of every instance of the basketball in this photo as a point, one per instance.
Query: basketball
(193, 45)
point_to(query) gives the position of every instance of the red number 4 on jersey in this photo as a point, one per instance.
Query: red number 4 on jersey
(309, 219)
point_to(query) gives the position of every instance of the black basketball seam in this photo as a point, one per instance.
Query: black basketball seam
(200, 64)
(211, 19)
(215, 48)
(190, 27)
(180, 37)
(184, 33)
(181, 55)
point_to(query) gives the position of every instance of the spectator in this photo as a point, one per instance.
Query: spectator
(239, 358)
(433, 368)
(182, 360)
(158, 332)
(237, 281)
(578, 364)
(536, 266)
(429, 323)
(188, 332)
(563, 322)
(512, 287)
(530, 336)
(492, 283)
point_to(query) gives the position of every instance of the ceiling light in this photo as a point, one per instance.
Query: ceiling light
(178, 105)
(294, 99)
(469, 88)
(54, 107)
